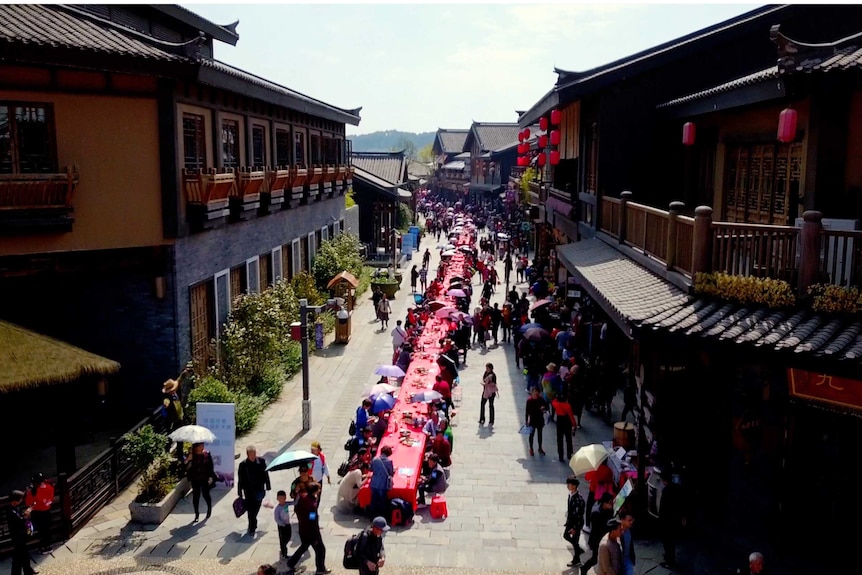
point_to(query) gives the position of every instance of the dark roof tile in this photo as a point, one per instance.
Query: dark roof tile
(493, 136)
(387, 166)
(452, 141)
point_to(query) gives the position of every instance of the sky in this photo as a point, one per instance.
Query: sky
(420, 67)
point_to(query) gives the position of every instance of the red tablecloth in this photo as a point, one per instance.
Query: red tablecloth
(420, 376)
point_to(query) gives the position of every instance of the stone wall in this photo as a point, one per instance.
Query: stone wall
(200, 256)
(351, 220)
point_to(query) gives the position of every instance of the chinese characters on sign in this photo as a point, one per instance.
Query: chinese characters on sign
(823, 387)
(219, 418)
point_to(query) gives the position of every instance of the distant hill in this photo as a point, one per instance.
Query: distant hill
(386, 140)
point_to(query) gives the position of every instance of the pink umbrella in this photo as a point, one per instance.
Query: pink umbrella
(457, 293)
(541, 303)
(444, 312)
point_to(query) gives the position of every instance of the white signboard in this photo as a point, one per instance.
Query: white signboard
(220, 419)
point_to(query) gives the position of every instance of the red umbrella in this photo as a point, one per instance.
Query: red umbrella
(540, 303)
(435, 305)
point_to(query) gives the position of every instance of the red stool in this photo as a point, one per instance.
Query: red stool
(438, 507)
(396, 517)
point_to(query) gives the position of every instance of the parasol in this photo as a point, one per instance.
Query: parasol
(389, 371)
(291, 459)
(588, 458)
(540, 303)
(536, 334)
(427, 396)
(192, 434)
(527, 326)
(437, 304)
(447, 254)
(444, 312)
(457, 293)
(502, 236)
(380, 389)
(382, 403)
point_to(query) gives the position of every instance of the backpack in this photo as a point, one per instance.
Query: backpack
(343, 468)
(352, 429)
(352, 546)
(405, 508)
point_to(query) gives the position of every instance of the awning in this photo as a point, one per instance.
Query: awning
(404, 194)
(31, 360)
(344, 276)
(456, 165)
(626, 291)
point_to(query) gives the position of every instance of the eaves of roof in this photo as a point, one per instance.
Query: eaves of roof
(226, 34)
(378, 183)
(769, 74)
(221, 75)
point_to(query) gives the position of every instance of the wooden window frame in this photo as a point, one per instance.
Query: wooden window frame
(252, 264)
(241, 137)
(296, 259)
(311, 135)
(201, 351)
(15, 149)
(277, 257)
(305, 156)
(284, 128)
(207, 114)
(267, 142)
(265, 267)
(762, 170)
(312, 249)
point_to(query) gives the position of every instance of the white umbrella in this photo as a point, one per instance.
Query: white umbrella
(192, 434)
(447, 254)
(588, 458)
(427, 396)
(449, 247)
(379, 388)
(389, 371)
(502, 236)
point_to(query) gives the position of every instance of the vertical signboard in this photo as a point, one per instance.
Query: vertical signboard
(221, 420)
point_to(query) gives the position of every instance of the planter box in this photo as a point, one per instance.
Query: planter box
(388, 288)
(155, 513)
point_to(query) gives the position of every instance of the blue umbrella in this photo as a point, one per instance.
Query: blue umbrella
(383, 402)
(290, 459)
(527, 326)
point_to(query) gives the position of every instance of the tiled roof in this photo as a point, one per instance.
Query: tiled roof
(456, 165)
(799, 332)
(451, 141)
(770, 73)
(463, 156)
(492, 136)
(415, 168)
(312, 105)
(59, 27)
(387, 166)
(840, 59)
(534, 137)
(633, 292)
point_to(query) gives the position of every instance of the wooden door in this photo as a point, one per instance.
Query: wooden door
(201, 323)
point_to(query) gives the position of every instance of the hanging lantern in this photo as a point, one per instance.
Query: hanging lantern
(555, 157)
(520, 136)
(526, 133)
(541, 159)
(688, 133)
(523, 161)
(525, 148)
(555, 137)
(556, 117)
(787, 125)
(543, 123)
(543, 141)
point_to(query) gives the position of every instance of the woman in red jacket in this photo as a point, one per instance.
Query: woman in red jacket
(40, 498)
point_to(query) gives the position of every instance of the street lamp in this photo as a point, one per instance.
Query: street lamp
(304, 308)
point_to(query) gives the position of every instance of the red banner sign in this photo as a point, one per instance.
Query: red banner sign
(822, 387)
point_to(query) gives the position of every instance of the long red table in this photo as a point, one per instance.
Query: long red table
(406, 439)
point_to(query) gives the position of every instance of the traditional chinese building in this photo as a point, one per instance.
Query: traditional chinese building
(379, 186)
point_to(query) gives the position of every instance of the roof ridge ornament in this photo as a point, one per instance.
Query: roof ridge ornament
(792, 53)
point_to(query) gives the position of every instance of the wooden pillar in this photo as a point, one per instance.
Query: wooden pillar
(65, 503)
(702, 241)
(624, 200)
(673, 211)
(809, 250)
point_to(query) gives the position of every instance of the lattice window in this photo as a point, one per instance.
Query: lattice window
(199, 310)
(762, 181)
(266, 265)
(194, 142)
(229, 143)
(236, 282)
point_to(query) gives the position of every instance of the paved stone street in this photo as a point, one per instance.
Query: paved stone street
(506, 509)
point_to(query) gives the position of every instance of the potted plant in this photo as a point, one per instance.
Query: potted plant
(161, 485)
(387, 286)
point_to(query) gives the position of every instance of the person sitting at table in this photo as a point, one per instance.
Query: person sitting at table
(435, 482)
(378, 428)
(432, 426)
(364, 439)
(441, 447)
(403, 361)
(442, 387)
(362, 413)
(360, 461)
(410, 320)
(348, 490)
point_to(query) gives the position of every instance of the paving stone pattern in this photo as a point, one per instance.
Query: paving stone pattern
(506, 508)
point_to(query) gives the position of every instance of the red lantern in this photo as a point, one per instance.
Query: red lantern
(555, 157)
(542, 158)
(555, 137)
(556, 117)
(787, 125)
(525, 149)
(688, 133)
(543, 123)
(543, 141)
(520, 136)
(526, 133)
(523, 161)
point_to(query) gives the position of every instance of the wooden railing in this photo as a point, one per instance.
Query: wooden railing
(755, 250)
(801, 256)
(38, 191)
(250, 181)
(841, 257)
(83, 494)
(208, 186)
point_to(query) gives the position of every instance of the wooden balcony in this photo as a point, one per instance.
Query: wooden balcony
(802, 256)
(298, 179)
(316, 175)
(245, 201)
(207, 196)
(276, 180)
(37, 202)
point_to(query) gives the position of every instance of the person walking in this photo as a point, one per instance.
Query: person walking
(489, 393)
(423, 277)
(574, 520)
(39, 498)
(382, 472)
(670, 518)
(309, 531)
(252, 485)
(566, 424)
(601, 513)
(376, 296)
(282, 521)
(627, 543)
(319, 469)
(399, 336)
(609, 552)
(20, 528)
(383, 310)
(535, 418)
(200, 470)
(370, 549)
(414, 278)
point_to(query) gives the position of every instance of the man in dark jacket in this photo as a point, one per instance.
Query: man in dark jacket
(309, 531)
(574, 519)
(670, 518)
(252, 484)
(603, 511)
(370, 547)
(16, 519)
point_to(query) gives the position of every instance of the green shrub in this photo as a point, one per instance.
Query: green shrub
(251, 340)
(329, 320)
(269, 385)
(144, 446)
(364, 282)
(248, 410)
(341, 253)
(208, 389)
(304, 287)
(349, 201)
(157, 480)
(404, 218)
(291, 358)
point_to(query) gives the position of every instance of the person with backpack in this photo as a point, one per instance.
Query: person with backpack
(364, 551)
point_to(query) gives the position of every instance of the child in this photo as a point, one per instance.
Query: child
(282, 519)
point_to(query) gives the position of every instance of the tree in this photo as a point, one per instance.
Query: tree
(426, 154)
(406, 144)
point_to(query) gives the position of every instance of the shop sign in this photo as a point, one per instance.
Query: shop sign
(828, 388)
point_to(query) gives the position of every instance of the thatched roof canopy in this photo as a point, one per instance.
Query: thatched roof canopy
(30, 360)
(344, 276)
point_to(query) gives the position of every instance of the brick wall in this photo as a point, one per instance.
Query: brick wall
(200, 256)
